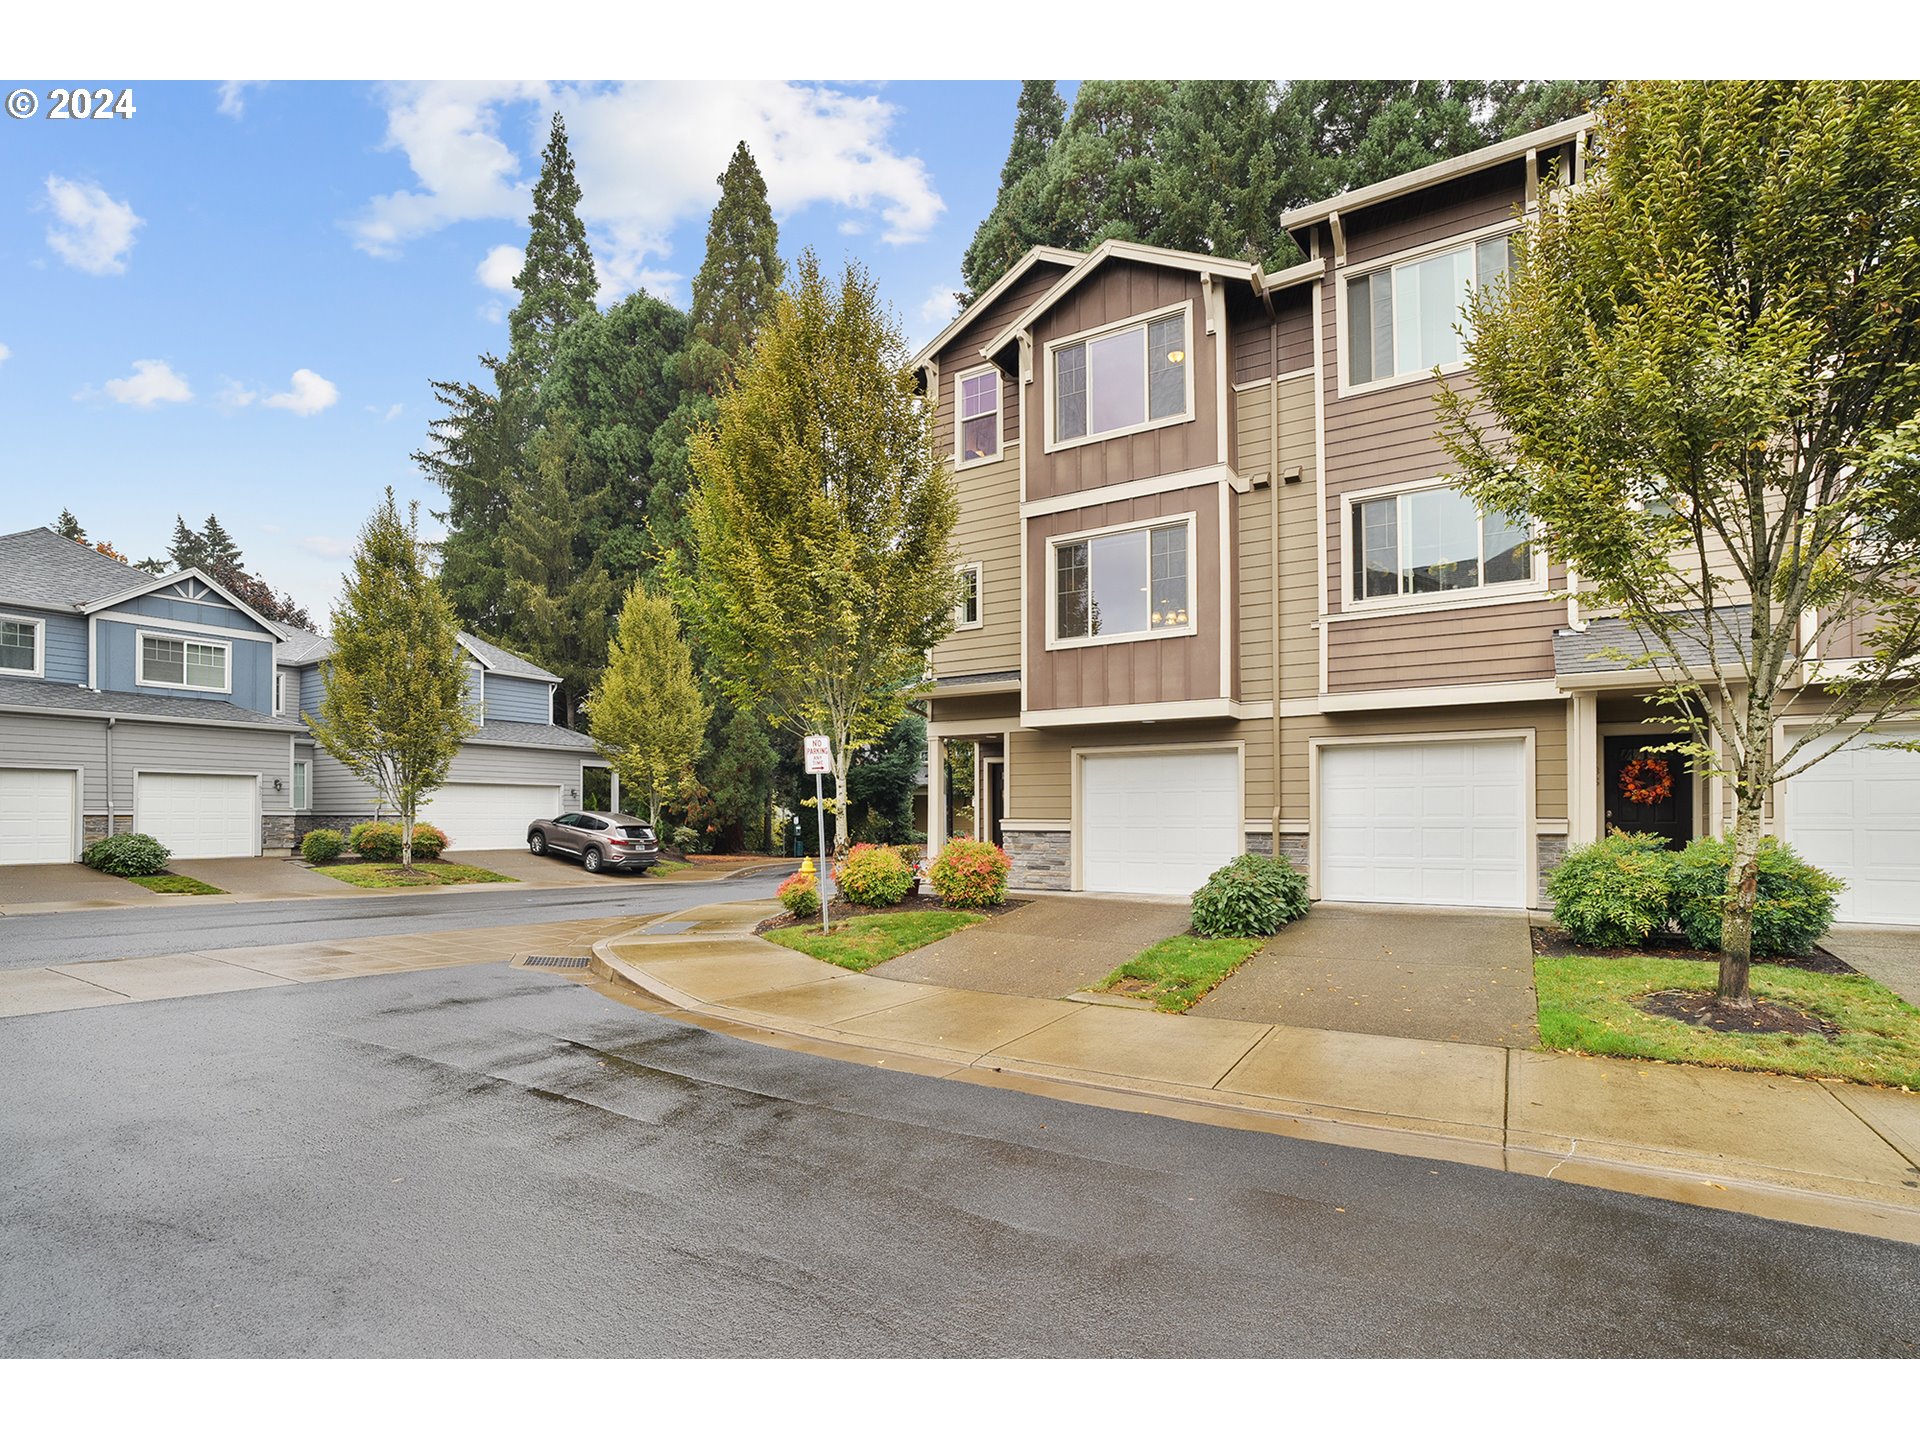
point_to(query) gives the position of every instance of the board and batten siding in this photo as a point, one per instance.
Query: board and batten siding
(59, 742)
(962, 353)
(65, 642)
(512, 698)
(987, 533)
(250, 671)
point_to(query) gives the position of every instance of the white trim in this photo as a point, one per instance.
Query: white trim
(1413, 255)
(1420, 697)
(1208, 708)
(1321, 600)
(979, 598)
(1082, 642)
(93, 653)
(76, 840)
(960, 417)
(253, 775)
(279, 691)
(1583, 769)
(1039, 253)
(134, 718)
(1133, 490)
(192, 627)
(1050, 443)
(140, 638)
(1030, 826)
(1533, 587)
(981, 687)
(301, 804)
(1229, 571)
(1240, 387)
(277, 632)
(39, 670)
(1078, 754)
(1314, 269)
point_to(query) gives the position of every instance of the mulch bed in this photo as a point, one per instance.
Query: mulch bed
(1767, 1017)
(845, 910)
(1552, 943)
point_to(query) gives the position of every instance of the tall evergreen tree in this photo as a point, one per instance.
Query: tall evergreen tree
(187, 550)
(1216, 181)
(68, 527)
(557, 284)
(1015, 224)
(740, 275)
(1099, 178)
(217, 547)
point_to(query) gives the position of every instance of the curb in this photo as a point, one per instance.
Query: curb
(1686, 1177)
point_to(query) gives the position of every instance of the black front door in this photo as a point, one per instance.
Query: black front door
(1670, 815)
(997, 793)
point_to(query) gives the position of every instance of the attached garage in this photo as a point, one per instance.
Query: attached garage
(1427, 822)
(489, 817)
(1857, 814)
(1158, 823)
(199, 817)
(38, 819)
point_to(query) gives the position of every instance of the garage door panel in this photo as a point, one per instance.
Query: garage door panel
(1158, 824)
(489, 817)
(36, 817)
(199, 816)
(1857, 814)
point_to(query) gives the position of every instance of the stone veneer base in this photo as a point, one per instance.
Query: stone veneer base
(1042, 859)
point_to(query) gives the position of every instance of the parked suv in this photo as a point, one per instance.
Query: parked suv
(603, 839)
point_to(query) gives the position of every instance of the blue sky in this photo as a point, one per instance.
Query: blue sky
(233, 301)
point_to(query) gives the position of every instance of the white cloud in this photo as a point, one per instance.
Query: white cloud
(309, 394)
(235, 396)
(647, 155)
(501, 264)
(233, 97)
(91, 231)
(391, 412)
(153, 382)
(936, 310)
(5, 354)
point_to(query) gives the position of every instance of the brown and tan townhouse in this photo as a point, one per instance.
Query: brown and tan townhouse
(1219, 596)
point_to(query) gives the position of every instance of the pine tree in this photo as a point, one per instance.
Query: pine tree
(1216, 181)
(68, 528)
(739, 276)
(1014, 224)
(557, 284)
(187, 550)
(217, 547)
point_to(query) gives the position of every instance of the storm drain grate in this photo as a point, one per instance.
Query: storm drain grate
(555, 962)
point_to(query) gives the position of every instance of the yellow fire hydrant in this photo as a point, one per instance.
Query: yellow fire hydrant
(806, 867)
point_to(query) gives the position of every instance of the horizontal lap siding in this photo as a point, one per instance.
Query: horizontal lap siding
(513, 699)
(1293, 313)
(188, 749)
(1435, 214)
(1251, 348)
(1299, 542)
(1446, 646)
(992, 713)
(336, 791)
(1040, 763)
(57, 742)
(1253, 554)
(987, 533)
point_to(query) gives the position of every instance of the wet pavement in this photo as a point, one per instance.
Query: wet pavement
(1047, 947)
(486, 1161)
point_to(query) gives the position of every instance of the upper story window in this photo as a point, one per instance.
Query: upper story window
(979, 416)
(20, 645)
(1123, 584)
(1434, 541)
(476, 697)
(190, 664)
(966, 612)
(1121, 380)
(1401, 318)
(279, 692)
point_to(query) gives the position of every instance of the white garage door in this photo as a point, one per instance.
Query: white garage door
(199, 817)
(1417, 823)
(1857, 815)
(1158, 824)
(36, 817)
(489, 817)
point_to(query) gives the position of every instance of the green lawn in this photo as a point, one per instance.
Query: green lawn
(866, 940)
(175, 885)
(668, 867)
(1175, 973)
(1586, 1004)
(424, 872)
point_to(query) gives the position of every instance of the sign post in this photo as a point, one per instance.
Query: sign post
(819, 751)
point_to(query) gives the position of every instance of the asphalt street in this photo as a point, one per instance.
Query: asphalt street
(483, 1161)
(136, 930)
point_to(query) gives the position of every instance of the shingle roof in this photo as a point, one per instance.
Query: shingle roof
(40, 696)
(38, 567)
(306, 648)
(1580, 652)
(539, 737)
(302, 647)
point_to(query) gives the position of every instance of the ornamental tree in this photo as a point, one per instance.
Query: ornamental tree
(1702, 381)
(394, 711)
(821, 520)
(647, 714)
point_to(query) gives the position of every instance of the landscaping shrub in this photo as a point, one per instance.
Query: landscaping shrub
(686, 839)
(1614, 891)
(970, 874)
(799, 894)
(126, 855)
(322, 847)
(1794, 908)
(874, 875)
(1248, 896)
(378, 841)
(358, 833)
(428, 842)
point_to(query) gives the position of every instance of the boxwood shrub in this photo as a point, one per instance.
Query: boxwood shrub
(126, 855)
(322, 847)
(1613, 892)
(970, 874)
(1793, 910)
(1249, 896)
(874, 875)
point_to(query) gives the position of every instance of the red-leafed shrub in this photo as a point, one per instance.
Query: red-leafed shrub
(874, 875)
(970, 874)
(800, 895)
(428, 842)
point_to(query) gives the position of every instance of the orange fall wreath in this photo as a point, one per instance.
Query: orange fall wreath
(1646, 780)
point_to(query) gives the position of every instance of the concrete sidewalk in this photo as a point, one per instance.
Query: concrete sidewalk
(1819, 1153)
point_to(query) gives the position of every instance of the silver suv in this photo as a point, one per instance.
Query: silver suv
(603, 839)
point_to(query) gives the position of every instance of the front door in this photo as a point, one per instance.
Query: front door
(1648, 793)
(996, 801)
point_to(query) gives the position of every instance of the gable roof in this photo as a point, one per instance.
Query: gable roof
(40, 567)
(307, 647)
(150, 583)
(1048, 253)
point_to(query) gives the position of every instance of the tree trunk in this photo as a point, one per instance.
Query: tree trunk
(839, 792)
(406, 837)
(1743, 889)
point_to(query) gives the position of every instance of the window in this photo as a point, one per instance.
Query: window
(1122, 584)
(979, 416)
(186, 663)
(279, 692)
(1121, 381)
(20, 646)
(1401, 319)
(966, 611)
(1430, 542)
(300, 784)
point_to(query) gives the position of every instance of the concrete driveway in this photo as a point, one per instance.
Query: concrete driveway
(260, 877)
(539, 869)
(1046, 948)
(65, 885)
(1462, 975)
(1891, 956)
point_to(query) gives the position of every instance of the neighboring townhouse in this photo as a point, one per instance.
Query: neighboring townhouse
(163, 704)
(1220, 597)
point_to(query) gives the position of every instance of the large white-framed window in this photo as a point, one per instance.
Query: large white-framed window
(968, 610)
(976, 413)
(1121, 583)
(1428, 544)
(183, 664)
(23, 645)
(1120, 379)
(301, 782)
(1404, 318)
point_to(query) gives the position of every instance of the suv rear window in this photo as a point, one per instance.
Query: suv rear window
(636, 832)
